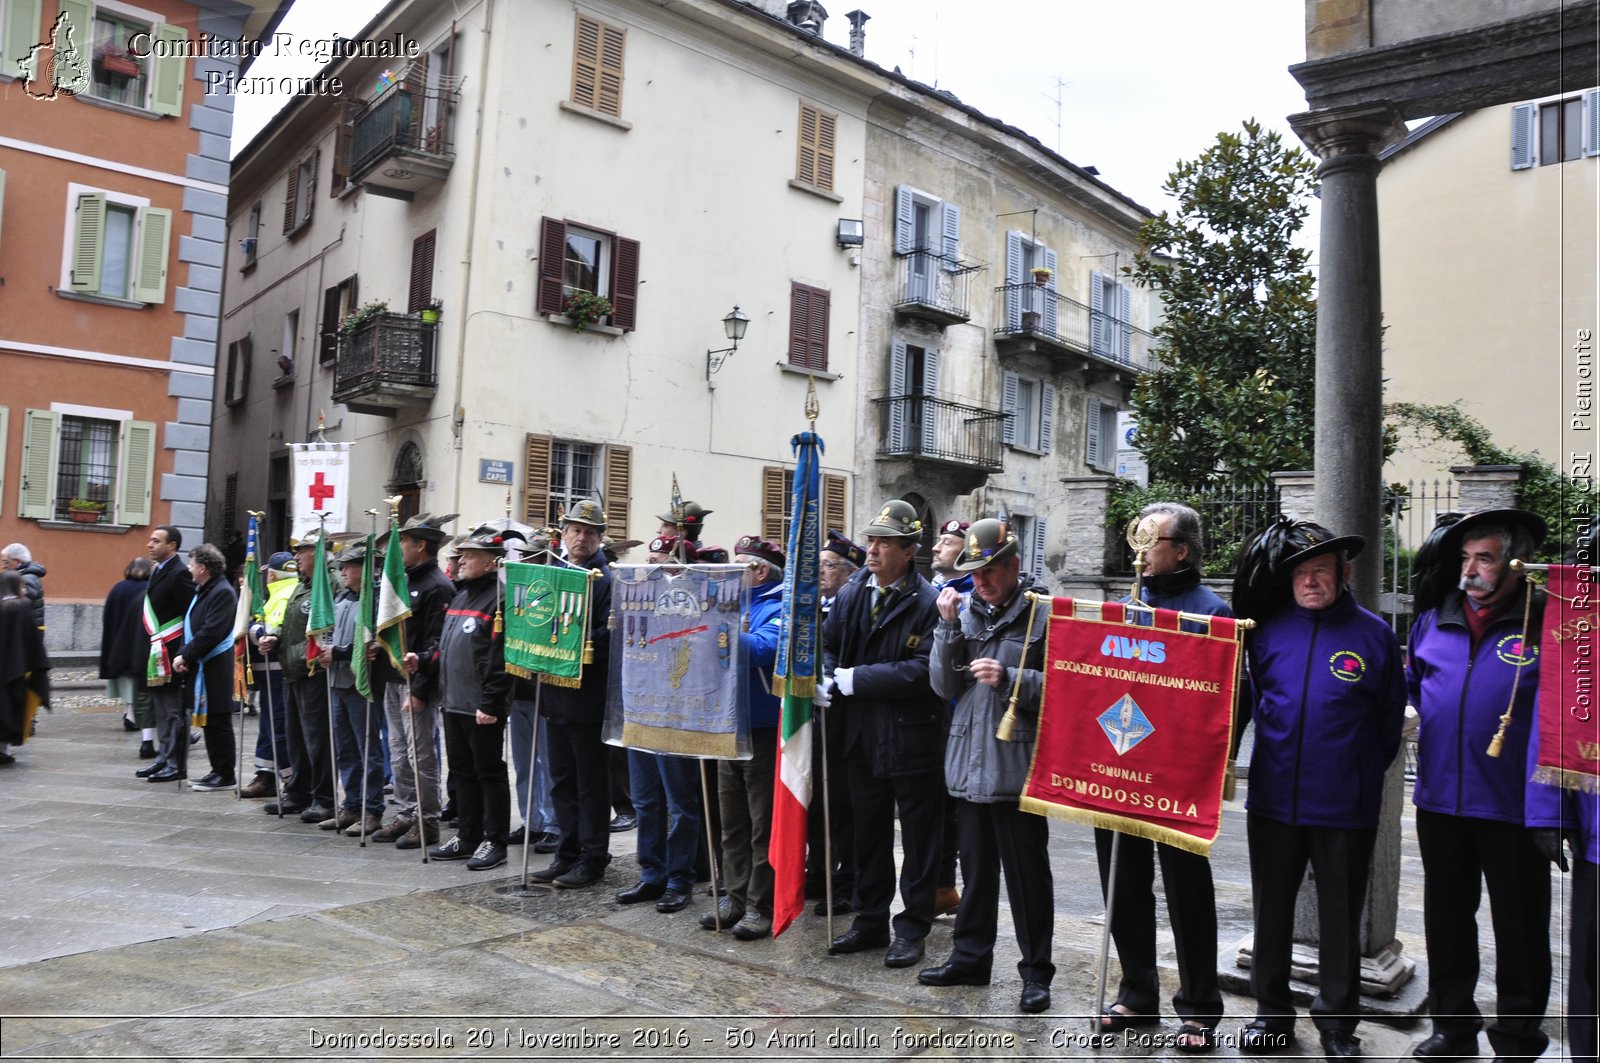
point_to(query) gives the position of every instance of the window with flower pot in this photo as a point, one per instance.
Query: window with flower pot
(587, 272)
(87, 465)
(1030, 288)
(337, 303)
(118, 246)
(133, 59)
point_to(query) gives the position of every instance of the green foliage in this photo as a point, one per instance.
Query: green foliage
(1565, 503)
(585, 308)
(365, 313)
(1227, 517)
(1231, 394)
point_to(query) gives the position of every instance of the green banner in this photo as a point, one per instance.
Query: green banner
(547, 622)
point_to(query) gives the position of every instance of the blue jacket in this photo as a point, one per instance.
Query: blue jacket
(760, 646)
(1329, 700)
(1460, 693)
(1183, 591)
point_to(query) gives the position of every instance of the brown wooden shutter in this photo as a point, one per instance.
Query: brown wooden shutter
(808, 327)
(624, 283)
(343, 140)
(773, 500)
(416, 84)
(834, 511)
(536, 478)
(586, 63)
(329, 335)
(421, 272)
(826, 126)
(619, 489)
(552, 266)
(290, 198)
(818, 130)
(608, 98)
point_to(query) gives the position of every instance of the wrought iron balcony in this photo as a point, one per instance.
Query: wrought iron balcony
(399, 142)
(386, 364)
(1037, 318)
(935, 288)
(940, 432)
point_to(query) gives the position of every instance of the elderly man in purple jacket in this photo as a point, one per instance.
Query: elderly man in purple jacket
(1328, 704)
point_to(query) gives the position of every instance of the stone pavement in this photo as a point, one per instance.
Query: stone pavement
(155, 922)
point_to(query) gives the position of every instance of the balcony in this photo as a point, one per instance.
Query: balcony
(385, 365)
(942, 436)
(399, 143)
(934, 288)
(1037, 319)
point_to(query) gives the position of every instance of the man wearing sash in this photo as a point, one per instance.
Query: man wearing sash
(1329, 700)
(841, 559)
(171, 591)
(875, 654)
(977, 657)
(206, 661)
(1468, 655)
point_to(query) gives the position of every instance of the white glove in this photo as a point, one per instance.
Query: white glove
(845, 680)
(824, 695)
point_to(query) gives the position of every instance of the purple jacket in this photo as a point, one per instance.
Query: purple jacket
(1329, 699)
(1460, 694)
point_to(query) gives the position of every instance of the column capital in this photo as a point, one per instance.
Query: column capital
(1341, 131)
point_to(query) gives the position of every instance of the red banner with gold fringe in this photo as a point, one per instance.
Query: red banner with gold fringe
(1136, 722)
(1569, 727)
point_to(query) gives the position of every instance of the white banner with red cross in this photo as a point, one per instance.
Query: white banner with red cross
(321, 486)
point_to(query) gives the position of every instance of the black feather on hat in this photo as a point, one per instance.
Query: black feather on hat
(1268, 558)
(1434, 571)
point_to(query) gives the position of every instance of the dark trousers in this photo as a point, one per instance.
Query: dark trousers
(1339, 858)
(308, 743)
(358, 750)
(919, 800)
(580, 786)
(273, 730)
(1583, 976)
(1460, 854)
(1192, 910)
(836, 823)
(994, 838)
(621, 781)
(483, 790)
(221, 750)
(172, 723)
(666, 798)
(744, 790)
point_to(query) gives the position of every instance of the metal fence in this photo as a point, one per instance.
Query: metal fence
(1411, 511)
(1229, 514)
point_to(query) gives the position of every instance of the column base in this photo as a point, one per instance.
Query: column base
(1394, 988)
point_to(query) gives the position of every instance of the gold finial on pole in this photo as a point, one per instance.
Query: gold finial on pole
(813, 405)
(1142, 535)
(393, 502)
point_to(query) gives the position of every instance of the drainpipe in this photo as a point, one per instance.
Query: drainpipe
(457, 412)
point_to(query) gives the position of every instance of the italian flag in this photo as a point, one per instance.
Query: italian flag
(791, 801)
(394, 600)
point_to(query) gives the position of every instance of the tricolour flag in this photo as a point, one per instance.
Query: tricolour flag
(364, 626)
(319, 624)
(394, 600)
(252, 606)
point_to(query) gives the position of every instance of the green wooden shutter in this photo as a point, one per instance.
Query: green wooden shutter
(2, 200)
(166, 95)
(5, 425)
(138, 472)
(36, 498)
(150, 268)
(88, 239)
(19, 32)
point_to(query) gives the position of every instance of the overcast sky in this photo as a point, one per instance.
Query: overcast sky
(1144, 83)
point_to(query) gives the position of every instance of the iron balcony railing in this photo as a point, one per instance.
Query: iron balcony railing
(402, 119)
(928, 429)
(935, 286)
(388, 353)
(1037, 310)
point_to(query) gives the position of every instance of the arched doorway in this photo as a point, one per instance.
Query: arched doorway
(929, 532)
(407, 480)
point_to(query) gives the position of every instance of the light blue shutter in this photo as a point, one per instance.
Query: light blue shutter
(1092, 442)
(1041, 538)
(5, 427)
(930, 410)
(36, 498)
(1049, 293)
(905, 225)
(1591, 122)
(1013, 279)
(18, 34)
(1047, 419)
(1522, 119)
(150, 265)
(1008, 406)
(166, 84)
(138, 472)
(1125, 324)
(1097, 313)
(950, 226)
(898, 402)
(2, 198)
(88, 239)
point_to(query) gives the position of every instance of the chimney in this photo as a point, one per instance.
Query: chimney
(809, 15)
(858, 33)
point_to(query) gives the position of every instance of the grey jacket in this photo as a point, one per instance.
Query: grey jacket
(977, 766)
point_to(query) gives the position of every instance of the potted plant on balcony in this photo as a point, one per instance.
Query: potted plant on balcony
(361, 315)
(85, 510)
(430, 313)
(1042, 275)
(585, 308)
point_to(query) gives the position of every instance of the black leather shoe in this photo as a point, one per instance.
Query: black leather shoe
(147, 751)
(1259, 1037)
(623, 822)
(856, 940)
(547, 843)
(904, 953)
(729, 913)
(170, 775)
(155, 769)
(1035, 997)
(951, 974)
(673, 901)
(840, 907)
(641, 891)
(1447, 1047)
(289, 808)
(1336, 1044)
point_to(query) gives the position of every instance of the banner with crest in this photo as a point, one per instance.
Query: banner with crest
(546, 622)
(678, 684)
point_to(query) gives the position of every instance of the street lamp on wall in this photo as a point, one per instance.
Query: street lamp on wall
(733, 326)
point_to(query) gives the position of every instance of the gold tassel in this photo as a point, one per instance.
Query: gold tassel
(519, 671)
(567, 681)
(1008, 722)
(499, 623)
(1505, 721)
(588, 655)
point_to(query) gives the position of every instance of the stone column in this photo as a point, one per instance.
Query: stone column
(1297, 494)
(1486, 486)
(1089, 542)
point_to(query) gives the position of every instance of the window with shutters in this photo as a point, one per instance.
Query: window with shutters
(597, 66)
(249, 244)
(337, 301)
(1029, 405)
(118, 247)
(1029, 305)
(421, 294)
(1100, 436)
(576, 258)
(777, 490)
(132, 60)
(1110, 306)
(561, 472)
(237, 387)
(1555, 131)
(299, 196)
(808, 327)
(83, 460)
(814, 163)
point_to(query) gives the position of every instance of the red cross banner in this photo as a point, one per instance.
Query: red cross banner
(321, 485)
(1134, 730)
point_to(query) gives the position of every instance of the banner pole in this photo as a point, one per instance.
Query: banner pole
(533, 771)
(827, 825)
(711, 848)
(1105, 933)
